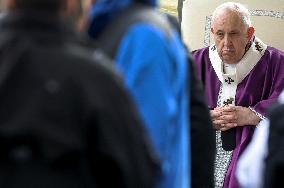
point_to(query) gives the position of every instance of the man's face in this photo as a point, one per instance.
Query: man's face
(230, 35)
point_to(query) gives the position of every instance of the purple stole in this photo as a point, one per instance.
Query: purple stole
(258, 90)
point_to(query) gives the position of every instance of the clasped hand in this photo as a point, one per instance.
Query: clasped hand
(227, 117)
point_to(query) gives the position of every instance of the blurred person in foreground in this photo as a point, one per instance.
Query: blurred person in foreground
(201, 129)
(66, 120)
(242, 77)
(150, 56)
(263, 159)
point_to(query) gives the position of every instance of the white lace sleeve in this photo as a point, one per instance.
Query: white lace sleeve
(258, 114)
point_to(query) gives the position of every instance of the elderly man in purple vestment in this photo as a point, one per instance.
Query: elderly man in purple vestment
(242, 77)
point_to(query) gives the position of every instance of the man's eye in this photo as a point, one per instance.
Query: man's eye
(234, 33)
(220, 34)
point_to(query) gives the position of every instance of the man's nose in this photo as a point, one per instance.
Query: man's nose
(227, 40)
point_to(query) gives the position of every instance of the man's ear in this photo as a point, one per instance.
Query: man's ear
(212, 30)
(250, 32)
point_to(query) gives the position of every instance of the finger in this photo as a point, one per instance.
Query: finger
(228, 112)
(214, 114)
(216, 126)
(221, 121)
(218, 108)
(232, 118)
(224, 128)
(230, 125)
(229, 109)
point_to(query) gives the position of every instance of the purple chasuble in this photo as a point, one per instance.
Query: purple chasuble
(258, 90)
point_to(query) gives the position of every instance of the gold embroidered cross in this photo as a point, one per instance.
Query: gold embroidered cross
(228, 101)
(258, 47)
(229, 81)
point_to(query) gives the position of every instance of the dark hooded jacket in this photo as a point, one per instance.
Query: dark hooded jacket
(152, 59)
(65, 119)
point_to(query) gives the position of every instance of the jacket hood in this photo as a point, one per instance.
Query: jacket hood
(102, 11)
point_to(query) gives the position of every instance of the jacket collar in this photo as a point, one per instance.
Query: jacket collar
(30, 23)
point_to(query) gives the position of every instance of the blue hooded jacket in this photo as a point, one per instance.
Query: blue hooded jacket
(154, 67)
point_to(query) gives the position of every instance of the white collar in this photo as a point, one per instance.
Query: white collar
(244, 66)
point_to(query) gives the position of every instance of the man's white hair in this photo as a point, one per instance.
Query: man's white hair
(240, 9)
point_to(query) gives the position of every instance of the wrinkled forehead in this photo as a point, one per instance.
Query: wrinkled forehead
(228, 20)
